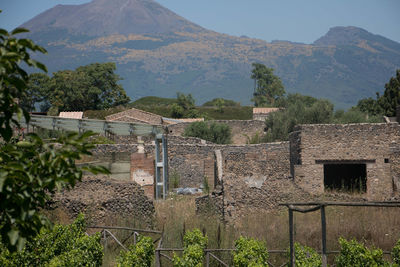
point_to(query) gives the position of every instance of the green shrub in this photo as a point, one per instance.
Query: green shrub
(306, 256)
(64, 245)
(218, 133)
(353, 253)
(250, 252)
(396, 253)
(194, 243)
(139, 254)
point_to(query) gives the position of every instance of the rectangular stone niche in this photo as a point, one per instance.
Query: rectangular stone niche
(346, 177)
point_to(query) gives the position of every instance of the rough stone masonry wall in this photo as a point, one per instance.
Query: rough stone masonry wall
(252, 174)
(369, 143)
(103, 199)
(241, 129)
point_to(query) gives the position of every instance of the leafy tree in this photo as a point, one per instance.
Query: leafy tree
(268, 87)
(184, 107)
(177, 111)
(185, 101)
(30, 169)
(218, 133)
(391, 97)
(297, 111)
(91, 87)
(385, 104)
(105, 90)
(370, 106)
(36, 92)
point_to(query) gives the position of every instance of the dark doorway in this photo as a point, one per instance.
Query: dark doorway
(346, 177)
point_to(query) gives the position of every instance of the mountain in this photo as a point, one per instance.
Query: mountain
(160, 53)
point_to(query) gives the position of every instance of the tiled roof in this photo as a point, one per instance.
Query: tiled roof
(264, 110)
(71, 114)
(190, 119)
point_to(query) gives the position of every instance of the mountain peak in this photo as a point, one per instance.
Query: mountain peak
(340, 35)
(105, 17)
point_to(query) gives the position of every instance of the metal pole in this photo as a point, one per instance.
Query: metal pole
(165, 165)
(157, 151)
(323, 227)
(291, 238)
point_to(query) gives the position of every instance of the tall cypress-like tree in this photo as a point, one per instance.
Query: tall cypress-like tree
(391, 97)
(268, 87)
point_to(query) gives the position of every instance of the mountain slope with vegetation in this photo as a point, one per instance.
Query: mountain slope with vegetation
(157, 52)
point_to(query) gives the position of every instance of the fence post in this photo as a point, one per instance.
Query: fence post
(134, 238)
(291, 238)
(207, 258)
(323, 228)
(158, 262)
(105, 238)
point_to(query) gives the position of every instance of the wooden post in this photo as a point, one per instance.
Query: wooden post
(158, 262)
(207, 259)
(291, 238)
(323, 228)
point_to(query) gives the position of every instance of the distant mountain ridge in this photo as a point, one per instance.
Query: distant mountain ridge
(105, 17)
(159, 53)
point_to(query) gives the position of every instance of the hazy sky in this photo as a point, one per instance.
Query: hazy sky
(293, 20)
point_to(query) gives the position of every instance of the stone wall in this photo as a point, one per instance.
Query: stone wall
(316, 145)
(103, 199)
(241, 129)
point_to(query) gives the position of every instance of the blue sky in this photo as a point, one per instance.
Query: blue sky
(293, 20)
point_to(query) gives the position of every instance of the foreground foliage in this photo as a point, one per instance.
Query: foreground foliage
(396, 253)
(139, 254)
(64, 245)
(250, 252)
(194, 243)
(353, 253)
(30, 169)
(306, 256)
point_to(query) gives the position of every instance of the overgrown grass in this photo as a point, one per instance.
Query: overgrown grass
(376, 227)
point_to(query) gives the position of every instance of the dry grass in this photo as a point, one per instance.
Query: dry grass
(376, 227)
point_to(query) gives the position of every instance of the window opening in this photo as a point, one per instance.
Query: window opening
(345, 177)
